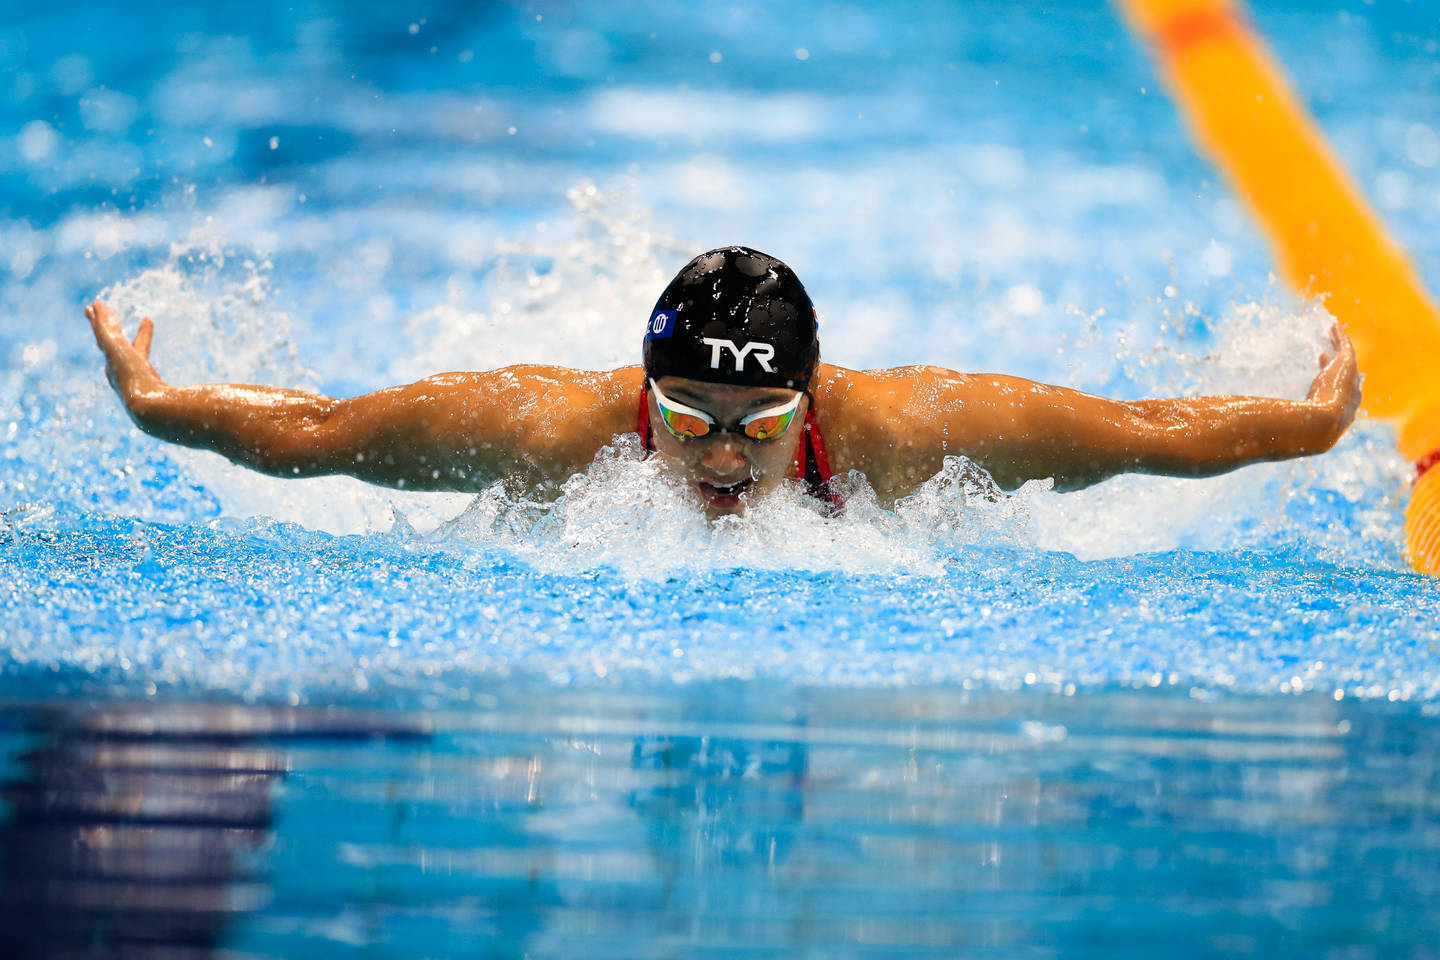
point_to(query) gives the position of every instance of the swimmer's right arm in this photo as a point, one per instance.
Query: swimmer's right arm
(537, 425)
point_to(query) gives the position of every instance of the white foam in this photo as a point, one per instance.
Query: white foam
(695, 115)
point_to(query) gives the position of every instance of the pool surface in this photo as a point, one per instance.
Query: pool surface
(250, 717)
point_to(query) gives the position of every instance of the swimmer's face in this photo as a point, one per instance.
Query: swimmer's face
(727, 469)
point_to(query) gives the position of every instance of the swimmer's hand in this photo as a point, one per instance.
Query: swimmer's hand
(127, 364)
(1336, 388)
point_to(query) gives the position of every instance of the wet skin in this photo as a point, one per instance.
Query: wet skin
(536, 425)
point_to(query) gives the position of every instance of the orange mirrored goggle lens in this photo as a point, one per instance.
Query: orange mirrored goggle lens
(765, 428)
(684, 424)
(688, 423)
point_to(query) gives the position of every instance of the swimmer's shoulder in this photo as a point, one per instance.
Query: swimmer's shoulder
(596, 393)
(874, 399)
(613, 396)
(561, 415)
(889, 423)
(600, 403)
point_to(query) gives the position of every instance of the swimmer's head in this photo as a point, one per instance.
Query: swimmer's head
(734, 316)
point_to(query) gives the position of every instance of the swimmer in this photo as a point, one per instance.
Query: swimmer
(733, 399)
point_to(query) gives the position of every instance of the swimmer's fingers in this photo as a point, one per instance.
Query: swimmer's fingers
(1339, 344)
(108, 335)
(143, 338)
(127, 365)
(106, 330)
(1333, 362)
(1337, 385)
(1343, 347)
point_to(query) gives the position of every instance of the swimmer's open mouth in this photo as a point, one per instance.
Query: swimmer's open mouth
(725, 494)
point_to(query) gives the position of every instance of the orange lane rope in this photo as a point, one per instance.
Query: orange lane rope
(1328, 242)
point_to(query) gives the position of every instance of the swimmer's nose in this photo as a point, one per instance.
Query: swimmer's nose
(724, 458)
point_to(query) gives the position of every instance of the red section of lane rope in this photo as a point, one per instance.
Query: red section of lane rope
(1193, 26)
(1423, 465)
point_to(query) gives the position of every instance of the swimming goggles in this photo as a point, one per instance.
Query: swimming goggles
(687, 423)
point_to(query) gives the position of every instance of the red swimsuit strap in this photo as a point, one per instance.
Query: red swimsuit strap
(817, 444)
(812, 449)
(642, 420)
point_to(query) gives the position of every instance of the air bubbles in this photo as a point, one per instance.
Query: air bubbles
(1024, 300)
(72, 73)
(38, 353)
(14, 45)
(1392, 189)
(1042, 732)
(1217, 259)
(579, 53)
(108, 111)
(36, 141)
(1422, 145)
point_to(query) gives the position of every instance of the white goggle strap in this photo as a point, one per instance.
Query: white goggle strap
(678, 407)
(776, 411)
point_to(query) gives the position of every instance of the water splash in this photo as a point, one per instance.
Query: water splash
(576, 301)
(632, 516)
(573, 300)
(217, 578)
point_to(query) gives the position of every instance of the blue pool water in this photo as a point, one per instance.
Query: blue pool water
(315, 718)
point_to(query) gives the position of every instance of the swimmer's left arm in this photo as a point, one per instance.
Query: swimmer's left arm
(1079, 439)
(1019, 430)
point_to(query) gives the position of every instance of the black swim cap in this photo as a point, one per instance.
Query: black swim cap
(734, 315)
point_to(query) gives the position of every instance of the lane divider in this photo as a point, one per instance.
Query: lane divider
(1328, 241)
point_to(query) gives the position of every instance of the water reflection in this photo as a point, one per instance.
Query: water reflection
(746, 799)
(143, 831)
(726, 821)
(135, 833)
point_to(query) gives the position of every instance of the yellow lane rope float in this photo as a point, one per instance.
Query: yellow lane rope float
(1327, 239)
